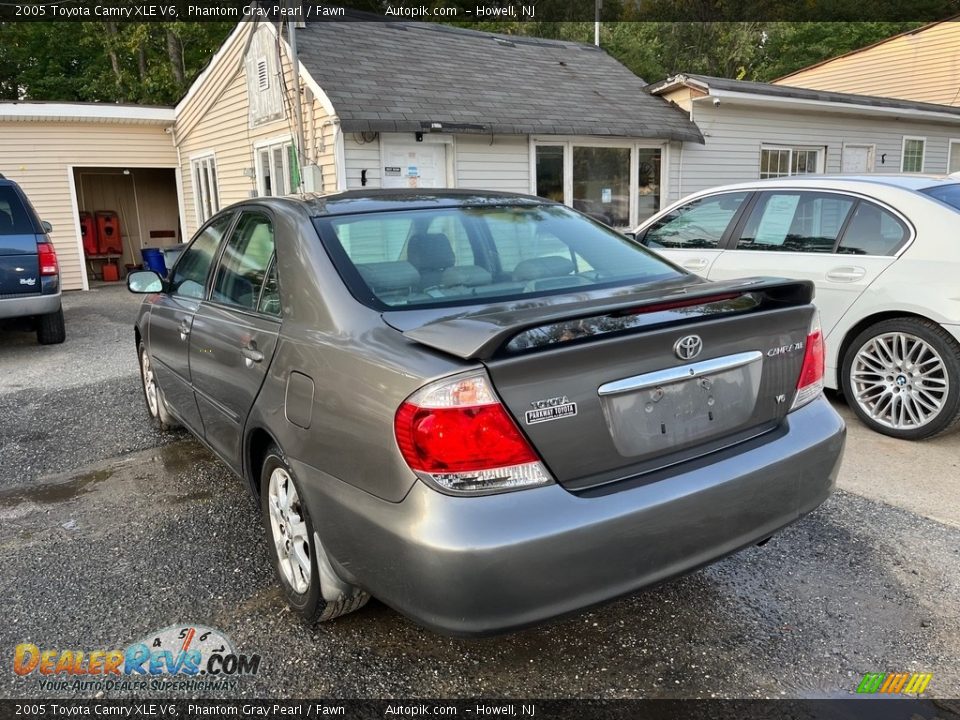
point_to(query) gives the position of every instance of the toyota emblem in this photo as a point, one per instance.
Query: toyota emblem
(688, 347)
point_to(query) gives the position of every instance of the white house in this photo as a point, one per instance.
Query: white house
(410, 104)
(756, 130)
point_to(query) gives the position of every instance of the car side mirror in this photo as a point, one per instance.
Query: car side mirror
(47, 227)
(144, 282)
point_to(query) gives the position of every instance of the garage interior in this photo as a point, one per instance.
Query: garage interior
(122, 212)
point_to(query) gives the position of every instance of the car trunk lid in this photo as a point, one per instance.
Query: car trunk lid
(615, 386)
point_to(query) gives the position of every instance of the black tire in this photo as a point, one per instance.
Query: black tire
(160, 412)
(308, 602)
(943, 345)
(51, 329)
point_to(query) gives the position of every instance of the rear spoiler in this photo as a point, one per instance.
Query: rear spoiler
(479, 334)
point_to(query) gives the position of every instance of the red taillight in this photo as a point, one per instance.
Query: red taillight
(48, 259)
(457, 434)
(442, 440)
(810, 382)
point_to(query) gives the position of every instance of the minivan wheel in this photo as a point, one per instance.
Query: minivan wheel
(152, 395)
(902, 378)
(309, 583)
(51, 329)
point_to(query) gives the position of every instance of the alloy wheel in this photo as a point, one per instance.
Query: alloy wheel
(149, 385)
(289, 531)
(899, 380)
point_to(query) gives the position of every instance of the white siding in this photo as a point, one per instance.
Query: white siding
(735, 134)
(360, 155)
(500, 162)
(481, 162)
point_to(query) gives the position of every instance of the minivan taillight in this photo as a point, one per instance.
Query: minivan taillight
(810, 382)
(48, 259)
(457, 435)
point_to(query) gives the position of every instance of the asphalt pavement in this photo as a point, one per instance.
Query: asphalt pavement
(110, 529)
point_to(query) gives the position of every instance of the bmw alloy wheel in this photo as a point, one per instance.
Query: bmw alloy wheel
(899, 380)
(289, 530)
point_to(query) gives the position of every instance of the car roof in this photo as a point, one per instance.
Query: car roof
(912, 182)
(376, 200)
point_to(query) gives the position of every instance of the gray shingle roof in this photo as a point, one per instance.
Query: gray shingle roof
(403, 76)
(788, 91)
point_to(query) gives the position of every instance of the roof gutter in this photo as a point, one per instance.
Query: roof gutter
(80, 112)
(747, 98)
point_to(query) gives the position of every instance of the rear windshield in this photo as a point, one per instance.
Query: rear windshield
(947, 194)
(478, 254)
(14, 219)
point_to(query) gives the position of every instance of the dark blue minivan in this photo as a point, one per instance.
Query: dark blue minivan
(29, 272)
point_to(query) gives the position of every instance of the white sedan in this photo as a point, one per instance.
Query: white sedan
(884, 254)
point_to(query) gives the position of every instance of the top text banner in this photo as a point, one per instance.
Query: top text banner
(467, 11)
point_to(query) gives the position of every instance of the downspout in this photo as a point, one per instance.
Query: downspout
(181, 200)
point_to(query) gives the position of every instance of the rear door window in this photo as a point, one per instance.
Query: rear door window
(795, 221)
(14, 217)
(244, 262)
(700, 223)
(190, 273)
(872, 231)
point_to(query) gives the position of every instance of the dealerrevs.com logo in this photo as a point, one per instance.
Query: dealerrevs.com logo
(180, 657)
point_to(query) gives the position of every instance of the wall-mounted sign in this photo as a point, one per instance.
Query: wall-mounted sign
(413, 171)
(391, 170)
(606, 195)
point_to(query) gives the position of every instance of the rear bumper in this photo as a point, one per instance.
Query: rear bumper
(478, 565)
(14, 307)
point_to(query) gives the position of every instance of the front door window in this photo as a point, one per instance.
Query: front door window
(550, 172)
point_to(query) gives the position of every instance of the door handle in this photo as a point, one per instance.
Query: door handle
(696, 264)
(184, 329)
(847, 273)
(250, 356)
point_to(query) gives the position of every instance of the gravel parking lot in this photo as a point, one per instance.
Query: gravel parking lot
(110, 529)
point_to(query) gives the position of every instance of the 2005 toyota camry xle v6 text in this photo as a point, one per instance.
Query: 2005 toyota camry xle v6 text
(484, 409)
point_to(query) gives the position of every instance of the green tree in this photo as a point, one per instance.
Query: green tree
(147, 63)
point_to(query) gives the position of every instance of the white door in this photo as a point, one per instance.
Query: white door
(794, 234)
(690, 235)
(857, 159)
(412, 164)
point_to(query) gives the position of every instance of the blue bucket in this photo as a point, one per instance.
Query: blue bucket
(153, 259)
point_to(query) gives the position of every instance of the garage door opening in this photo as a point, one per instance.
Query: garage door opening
(122, 212)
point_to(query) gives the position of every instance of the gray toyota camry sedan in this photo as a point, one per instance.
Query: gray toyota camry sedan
(484, 409)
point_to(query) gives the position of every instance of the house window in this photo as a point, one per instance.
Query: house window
(277, 170)
(617, 183)
(786, 161)
(205, 190)
(953, 162)
(263, 75)
(913, 151)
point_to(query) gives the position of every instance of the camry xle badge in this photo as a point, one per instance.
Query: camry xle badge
(551, 409)
(688, 347)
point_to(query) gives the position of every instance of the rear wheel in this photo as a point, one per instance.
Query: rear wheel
(309, 582)
(51, 329)
(902, 378)
(152, 395)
